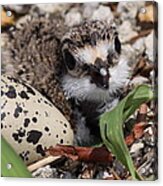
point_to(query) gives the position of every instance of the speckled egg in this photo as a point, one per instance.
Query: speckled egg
(29, 122)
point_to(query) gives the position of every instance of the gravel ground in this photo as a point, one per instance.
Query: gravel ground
(137, 35)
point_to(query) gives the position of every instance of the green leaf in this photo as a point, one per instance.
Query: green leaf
(8, 156)
(111, 125)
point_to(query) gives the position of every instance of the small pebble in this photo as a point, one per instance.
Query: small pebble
(103, 13)
(150, 45)
(138, 80)
(136, 147)
(126, 31)
(52, 8)
(129, 10)
(73, 18)
(89, 9)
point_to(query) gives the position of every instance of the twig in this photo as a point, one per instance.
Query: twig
(141, 34)
(115, 175)
(42, 163)
(87, 154)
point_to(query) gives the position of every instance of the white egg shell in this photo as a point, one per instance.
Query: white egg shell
(29, 122)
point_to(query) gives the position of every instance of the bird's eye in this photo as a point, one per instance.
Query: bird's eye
(85, 67)
(69, 59)
(117, 45)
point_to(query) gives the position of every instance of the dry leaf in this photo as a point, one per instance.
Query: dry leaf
(88, 154)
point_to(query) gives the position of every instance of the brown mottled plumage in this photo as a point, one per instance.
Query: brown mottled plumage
(33, 53)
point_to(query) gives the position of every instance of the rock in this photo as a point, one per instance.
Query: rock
(136, 147)
(139, 46)
(5, 54)
(19, 9)
(68, 175)
(103, 13)
(119, 168)
(4, 39)
(106, 175)
(126, 31)
(45, 172)
(73, 18)
(88, 9)
(52, 8)
(129, 10)
(138, 80)
(142, 170)
(151, 47)
(100, 174)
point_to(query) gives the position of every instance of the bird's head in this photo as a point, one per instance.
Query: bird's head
(91, 53)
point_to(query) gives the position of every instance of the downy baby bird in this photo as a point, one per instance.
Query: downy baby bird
(80, 70)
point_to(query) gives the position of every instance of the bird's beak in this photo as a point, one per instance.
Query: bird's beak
(100, 76)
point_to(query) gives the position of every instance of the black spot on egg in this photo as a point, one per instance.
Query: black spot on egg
(2, 93)
(65, 125)
(34, 136)
(29, 89)
(64, 131)
(34, 119)
(46, 114)
(1, 125)
(61, 141)
(57, 136)
(4, 104)
(25, 112)
(17, 111)
(3, 115)
(50, 105)
(22, 156)
(11, 92)
(23, 95)
(40, 150)
(46, 129)
(25, 155)
(26, 122)
(12, 79)
(19, 135)
(2, 80)
(46, 102)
